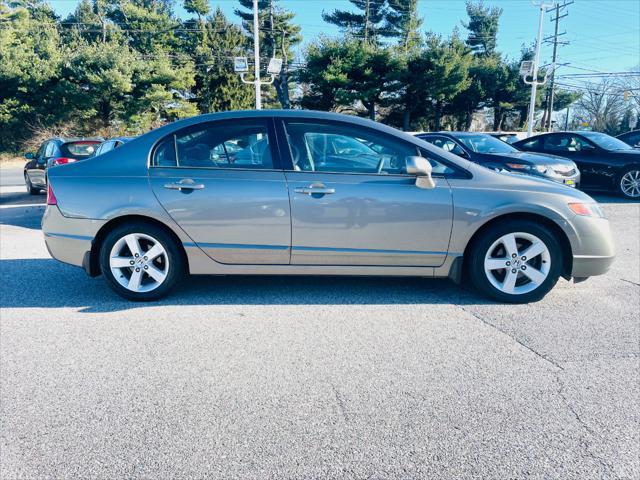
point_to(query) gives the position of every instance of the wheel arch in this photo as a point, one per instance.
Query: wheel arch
(93, 267)
(567, 253)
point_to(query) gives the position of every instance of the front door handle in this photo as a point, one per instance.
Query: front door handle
(186, 184)
(315, 189)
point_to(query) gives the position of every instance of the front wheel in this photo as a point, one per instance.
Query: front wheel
(141, 262)
(31, 190)
(629, 183)
(516, 262)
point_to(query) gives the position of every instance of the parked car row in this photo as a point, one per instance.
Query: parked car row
(60, 151)
(589, 160)
(313, 193)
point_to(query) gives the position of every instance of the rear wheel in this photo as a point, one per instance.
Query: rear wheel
(31, 190)
(629, 183)
(141, 262)
(516, 262)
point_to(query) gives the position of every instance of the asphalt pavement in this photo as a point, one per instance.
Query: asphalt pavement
(265, 378)
(11, 176)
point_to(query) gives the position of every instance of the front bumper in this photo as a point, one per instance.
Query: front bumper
(593, 246)
(588, 266)
(572, 180)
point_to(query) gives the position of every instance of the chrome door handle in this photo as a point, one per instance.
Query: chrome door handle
(315, 190)
(184, 186)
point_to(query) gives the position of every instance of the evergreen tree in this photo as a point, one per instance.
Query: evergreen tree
(350, 73)
(367, 24)
(483, 27)
(403, 22)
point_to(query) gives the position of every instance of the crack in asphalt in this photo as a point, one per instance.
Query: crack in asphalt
(340, 402)
(586, 446)
(629, 281)
(519, 342)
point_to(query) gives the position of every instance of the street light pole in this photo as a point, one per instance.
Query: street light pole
(256, 52)
(536, 66)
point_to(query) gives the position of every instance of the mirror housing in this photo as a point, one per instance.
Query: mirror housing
(421, 168)
(29, 156)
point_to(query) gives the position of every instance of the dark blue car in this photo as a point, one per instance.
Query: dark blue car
(495, 154)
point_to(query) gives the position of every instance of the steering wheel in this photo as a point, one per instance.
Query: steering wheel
(380, 166)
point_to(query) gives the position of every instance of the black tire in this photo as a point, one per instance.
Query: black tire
(31, 190)
(620, 190)
(175, 267)
(481, 245)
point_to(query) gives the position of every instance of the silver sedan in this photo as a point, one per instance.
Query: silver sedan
(310, 193)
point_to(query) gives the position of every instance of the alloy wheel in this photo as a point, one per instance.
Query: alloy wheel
(630, 183)
(139, 262)
(517, 263)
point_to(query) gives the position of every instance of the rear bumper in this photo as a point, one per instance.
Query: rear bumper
(68, 239)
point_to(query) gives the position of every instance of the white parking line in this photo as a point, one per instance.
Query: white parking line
(24, 205)
(13, 189)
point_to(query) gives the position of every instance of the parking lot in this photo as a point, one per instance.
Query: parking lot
(314, 377)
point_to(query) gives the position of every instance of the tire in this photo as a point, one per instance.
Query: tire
(31, 190)
(139, 278)
(534, 276)
(628, 183)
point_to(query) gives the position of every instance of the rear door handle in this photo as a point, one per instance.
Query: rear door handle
(184, 185)
(315, 189)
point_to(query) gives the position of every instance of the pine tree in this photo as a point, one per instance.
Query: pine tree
(483, 28)
(404, 23)
(368, 24)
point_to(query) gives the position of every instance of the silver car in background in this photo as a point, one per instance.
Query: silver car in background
(311, 193)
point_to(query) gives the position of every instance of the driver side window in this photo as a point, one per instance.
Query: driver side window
(324, 147)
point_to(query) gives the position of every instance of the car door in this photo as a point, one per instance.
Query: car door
(590, 159)
(222, 183)
(38, 167)
(352, 203)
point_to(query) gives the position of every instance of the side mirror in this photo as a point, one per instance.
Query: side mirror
(588, 148)
(421, 168)
(29, 156)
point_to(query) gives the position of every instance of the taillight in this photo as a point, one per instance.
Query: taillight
(63, 161)
(51, 198)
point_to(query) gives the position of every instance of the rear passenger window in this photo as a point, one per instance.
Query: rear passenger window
(235, 144)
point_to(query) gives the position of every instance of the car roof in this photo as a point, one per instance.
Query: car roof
(455, 134)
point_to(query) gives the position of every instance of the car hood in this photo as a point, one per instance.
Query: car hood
(530, 157)
(492, 180)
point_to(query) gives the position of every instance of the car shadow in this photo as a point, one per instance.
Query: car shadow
(46, 283)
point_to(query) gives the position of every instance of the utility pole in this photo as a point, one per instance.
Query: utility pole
(536, 66)
(558, 8)
(256, 53)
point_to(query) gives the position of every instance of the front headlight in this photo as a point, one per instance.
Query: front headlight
(586, 209)
(524, 167)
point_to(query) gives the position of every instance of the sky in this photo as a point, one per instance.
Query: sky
(603, 35)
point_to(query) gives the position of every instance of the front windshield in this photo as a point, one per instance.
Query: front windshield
(485, 144)
(606, 141)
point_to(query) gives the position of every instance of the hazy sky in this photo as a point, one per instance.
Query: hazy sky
(604, 35)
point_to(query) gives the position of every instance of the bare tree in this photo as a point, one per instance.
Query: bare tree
(602, 106)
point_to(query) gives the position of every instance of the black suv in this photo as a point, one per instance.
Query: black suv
(500, 156)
